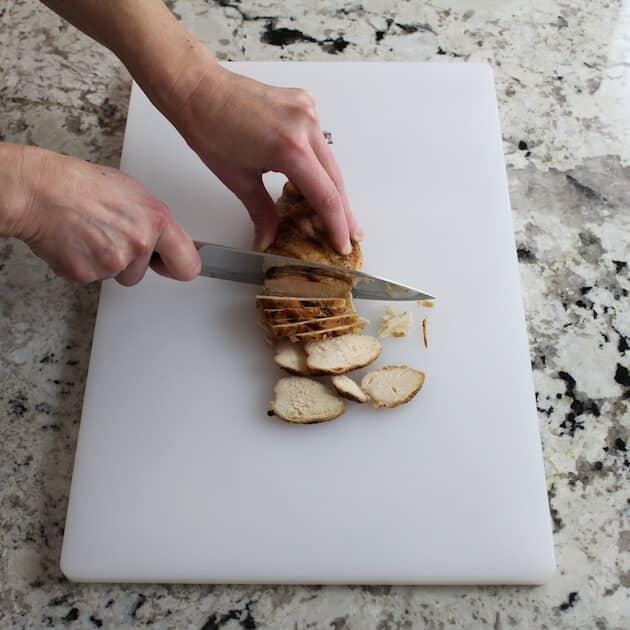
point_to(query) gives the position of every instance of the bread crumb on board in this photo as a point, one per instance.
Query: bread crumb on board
(394, 324)
(424, 333)
(426, 303)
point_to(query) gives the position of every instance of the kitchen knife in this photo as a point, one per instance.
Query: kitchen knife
(240, 265)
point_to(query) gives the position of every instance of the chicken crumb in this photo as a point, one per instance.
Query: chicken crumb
(395, 324)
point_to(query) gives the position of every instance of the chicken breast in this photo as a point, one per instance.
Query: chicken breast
(287, 315)
(287, 282)
(342, 354)
(314, 325)
(303, 400)
(392, 385)
(318, 335)
(277, 301)
(301, 233)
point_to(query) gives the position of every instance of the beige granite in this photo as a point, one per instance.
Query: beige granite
(563, 80)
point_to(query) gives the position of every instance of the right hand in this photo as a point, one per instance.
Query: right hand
(91, 222)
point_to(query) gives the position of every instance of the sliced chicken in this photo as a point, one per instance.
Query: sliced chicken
(276, 315)
(348, 388)
(262, 324)
(305, 401)
(313, 325)
(285, 282)
(292, 320)
(342, 354)
(392, 385)
(319, 335)
(291, 357)
(277, 301)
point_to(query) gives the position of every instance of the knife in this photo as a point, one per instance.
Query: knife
(241, 265)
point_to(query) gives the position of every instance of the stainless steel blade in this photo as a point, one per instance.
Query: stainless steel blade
(239, 265)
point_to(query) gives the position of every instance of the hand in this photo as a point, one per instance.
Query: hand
(91, 222)
(242, 128)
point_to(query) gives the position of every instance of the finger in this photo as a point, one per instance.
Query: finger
(134, 272)
(157, 264)
(327, 159)
(177, 252)
(316, 185)
(262, 211)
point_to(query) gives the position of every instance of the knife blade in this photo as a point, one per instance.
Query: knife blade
(240, 265)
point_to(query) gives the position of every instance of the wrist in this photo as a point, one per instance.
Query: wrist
(177, 84)
(168, 64)
(17, 187)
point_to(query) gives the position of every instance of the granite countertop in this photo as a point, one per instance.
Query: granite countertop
(562, 70)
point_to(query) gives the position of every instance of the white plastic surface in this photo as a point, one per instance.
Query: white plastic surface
(180, 475)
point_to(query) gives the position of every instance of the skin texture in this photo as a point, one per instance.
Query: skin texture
(90, 222)
(266, 129)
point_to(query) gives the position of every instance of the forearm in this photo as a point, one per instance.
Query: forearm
(161, 55)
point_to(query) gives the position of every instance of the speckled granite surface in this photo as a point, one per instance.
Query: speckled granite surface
(563, 81)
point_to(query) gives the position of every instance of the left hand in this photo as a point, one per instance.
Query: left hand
(242, 128)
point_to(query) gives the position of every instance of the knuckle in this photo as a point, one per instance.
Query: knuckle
(162, 217)
(113, 261)
(141, 245)
(292, 145)
(81, 274)
(304, 98)
(309, 115)
(162, 208)
(304, 106)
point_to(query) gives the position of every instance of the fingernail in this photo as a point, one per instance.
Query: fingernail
(347, 248)
(358, 234)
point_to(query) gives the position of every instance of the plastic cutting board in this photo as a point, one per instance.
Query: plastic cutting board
(180, 475)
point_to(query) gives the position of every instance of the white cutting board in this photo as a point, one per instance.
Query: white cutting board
(180, 475)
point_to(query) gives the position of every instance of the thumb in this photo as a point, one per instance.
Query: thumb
(262, 211)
